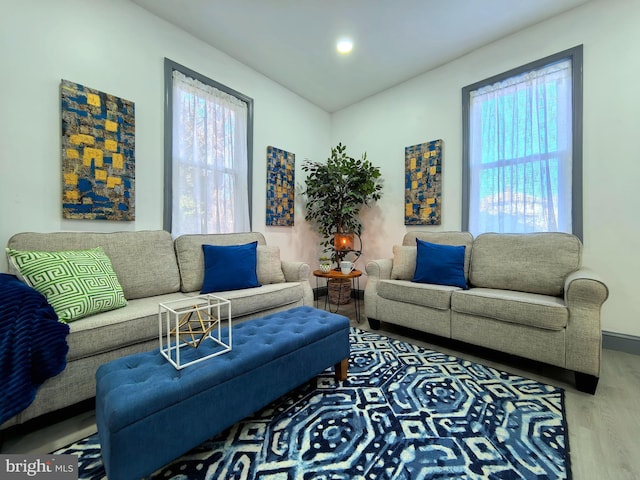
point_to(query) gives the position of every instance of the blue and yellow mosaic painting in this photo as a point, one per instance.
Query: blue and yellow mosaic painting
(98, 154)
(280, 187)
(423, 183)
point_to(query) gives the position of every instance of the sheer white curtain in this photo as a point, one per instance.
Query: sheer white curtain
(210, 190)
(520, 159)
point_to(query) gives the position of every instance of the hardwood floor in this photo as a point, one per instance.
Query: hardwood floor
(604, 429)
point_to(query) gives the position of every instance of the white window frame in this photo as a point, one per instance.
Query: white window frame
(169, 67)
(573, 54)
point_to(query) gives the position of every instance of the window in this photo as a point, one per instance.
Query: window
(208, 151)
(522, 149)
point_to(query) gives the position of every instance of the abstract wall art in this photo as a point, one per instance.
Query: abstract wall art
(423, 183)
(98, 154)
(280, 187)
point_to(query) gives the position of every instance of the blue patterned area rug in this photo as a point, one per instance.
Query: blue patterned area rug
(403, 413)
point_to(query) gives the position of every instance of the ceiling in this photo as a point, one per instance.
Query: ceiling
(293, 41)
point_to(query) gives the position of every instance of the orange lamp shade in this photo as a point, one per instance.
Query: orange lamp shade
(343, 241)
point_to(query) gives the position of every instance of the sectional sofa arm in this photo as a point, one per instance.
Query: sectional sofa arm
(584, 294)
(295, 271)
(585, 288)
(379, 269)
(376, 270)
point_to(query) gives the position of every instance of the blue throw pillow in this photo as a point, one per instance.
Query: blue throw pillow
(229, 267)
(440, 264)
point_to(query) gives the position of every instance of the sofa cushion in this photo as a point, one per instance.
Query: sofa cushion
(540, 311)
(138, 321)
(266, 297)
(424, 294)
(404, 262)
(188, 250)
(533, 262)
(269, 267)
(117, 329)
(144, 261)
(440, 264)
(76, 283)
(229, 267)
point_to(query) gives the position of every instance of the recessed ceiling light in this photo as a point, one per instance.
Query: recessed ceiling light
(345, 46)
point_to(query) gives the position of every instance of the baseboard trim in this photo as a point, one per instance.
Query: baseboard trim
(621, 342)
(323, 292)
(320, 292)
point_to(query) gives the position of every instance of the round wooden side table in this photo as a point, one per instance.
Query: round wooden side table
(354, 276)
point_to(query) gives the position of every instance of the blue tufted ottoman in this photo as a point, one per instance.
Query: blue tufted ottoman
(148, 413)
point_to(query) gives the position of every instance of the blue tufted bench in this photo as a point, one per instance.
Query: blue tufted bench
(148, 413)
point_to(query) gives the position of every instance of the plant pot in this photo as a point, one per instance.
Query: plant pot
(339, 291)
(325, 267)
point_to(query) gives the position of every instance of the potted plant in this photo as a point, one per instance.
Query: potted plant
(325, 263)
(336, 190)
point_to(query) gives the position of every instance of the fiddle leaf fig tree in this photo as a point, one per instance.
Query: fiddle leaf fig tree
(336, 191)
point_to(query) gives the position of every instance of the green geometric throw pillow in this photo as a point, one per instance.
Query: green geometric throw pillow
(75, 283)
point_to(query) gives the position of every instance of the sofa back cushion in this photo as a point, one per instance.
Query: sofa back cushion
(191, 258)
(144, 261)
(530, 262)
(442, 238)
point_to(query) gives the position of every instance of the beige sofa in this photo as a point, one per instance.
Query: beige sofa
(152, 268)
(528, 295)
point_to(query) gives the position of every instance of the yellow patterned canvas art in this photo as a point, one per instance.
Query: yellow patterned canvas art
(423, 183)
(280, 187)
(98, 154)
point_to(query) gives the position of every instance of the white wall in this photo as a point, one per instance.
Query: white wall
(117, 47)
(429, 107)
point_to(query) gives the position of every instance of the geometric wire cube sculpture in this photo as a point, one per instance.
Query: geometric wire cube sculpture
(189, 322)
